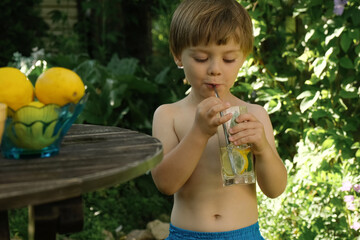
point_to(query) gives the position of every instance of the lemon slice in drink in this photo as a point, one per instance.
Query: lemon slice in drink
(241, 159)
(225, 162)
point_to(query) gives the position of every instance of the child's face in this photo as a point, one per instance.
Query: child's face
(211, 65)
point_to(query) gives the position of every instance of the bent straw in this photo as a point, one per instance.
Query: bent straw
(223, 125)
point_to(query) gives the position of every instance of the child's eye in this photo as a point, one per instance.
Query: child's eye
(229, 60)
(200, 59)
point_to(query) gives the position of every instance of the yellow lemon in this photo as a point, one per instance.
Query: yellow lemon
(225, 162)
(240, 157)
(59, 86)
(242, 165)
(15, 89)
(34, 125)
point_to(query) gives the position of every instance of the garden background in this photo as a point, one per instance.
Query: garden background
(305, 70)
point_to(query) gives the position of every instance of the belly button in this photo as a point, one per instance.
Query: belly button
(217, 216)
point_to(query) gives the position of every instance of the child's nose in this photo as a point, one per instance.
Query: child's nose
(214, 69)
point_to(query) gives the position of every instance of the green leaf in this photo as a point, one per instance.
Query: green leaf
(273, 106)
(161, 78)
(345, 62)
(275, 3)
(357, 154)
(354, 34)
(328, 143)
(345, 42)
(357, 49)
(309, 34)
(138, 84)
(125, 66)
(356, 145)
(290, 25)
(281, 79)
(335, 34)
(319, 114)
(116, 95)
(304, 94)
(307, 102)
(292, 130)
(355, 16)
(300, 10)
(328, 53)
(346, 94)
(313, 80)
(320, 65)
(242, 87)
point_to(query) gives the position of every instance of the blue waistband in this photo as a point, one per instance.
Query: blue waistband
(251, 232)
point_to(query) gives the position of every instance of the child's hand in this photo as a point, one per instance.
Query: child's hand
(207, 117)
(249, 130)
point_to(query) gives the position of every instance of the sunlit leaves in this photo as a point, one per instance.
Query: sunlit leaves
(335, 34)
(273, 105)
(312, 91)
(319, 66)
(309, 34)
(328, 143)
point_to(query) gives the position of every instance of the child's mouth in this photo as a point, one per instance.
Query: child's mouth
(212, 86)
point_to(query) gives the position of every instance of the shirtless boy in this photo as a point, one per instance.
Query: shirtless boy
(210, 40)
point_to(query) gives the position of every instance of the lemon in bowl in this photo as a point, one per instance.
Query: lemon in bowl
(15, 88)
(33, 125)
(37, 128)
(59, 86)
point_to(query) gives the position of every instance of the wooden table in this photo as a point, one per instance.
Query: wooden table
(91, 157)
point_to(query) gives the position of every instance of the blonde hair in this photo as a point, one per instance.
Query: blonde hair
(197, 22)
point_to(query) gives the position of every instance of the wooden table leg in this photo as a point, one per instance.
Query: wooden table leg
(44, 219)
(4, 225)
(63, 217)
(71, 218)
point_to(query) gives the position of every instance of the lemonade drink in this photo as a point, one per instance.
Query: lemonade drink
(244, 167)
(237, 165)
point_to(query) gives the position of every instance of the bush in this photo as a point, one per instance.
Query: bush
(305, 71)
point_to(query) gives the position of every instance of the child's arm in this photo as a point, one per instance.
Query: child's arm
(181, 157)
(258, 131)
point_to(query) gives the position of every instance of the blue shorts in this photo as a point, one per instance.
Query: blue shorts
(251, 232)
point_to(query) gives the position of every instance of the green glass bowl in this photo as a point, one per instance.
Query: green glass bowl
(32, 132)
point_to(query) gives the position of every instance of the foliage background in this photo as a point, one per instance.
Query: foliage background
(304, 70)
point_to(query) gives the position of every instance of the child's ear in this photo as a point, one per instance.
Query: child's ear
(178, 62)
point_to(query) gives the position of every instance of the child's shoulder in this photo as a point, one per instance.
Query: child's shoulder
(169, 108)
(255, 109)
(251, 107)
(259, 112)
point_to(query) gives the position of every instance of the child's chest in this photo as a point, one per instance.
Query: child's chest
(183, 121)
(210, 159)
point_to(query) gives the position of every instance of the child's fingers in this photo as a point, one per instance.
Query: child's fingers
(245, 117)
(245, 125)
(214, 106)
(223, 119)
(248, 132)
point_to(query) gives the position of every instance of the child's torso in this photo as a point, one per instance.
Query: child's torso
(203, 203)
